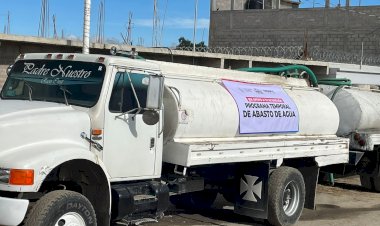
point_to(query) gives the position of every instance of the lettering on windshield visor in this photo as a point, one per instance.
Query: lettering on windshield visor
(58, 72)
(71, 82)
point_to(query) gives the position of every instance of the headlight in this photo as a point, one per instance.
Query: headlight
(4, 175)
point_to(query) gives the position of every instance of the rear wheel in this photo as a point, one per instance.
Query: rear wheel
(286, 196)
(62, 208)
(195, 200)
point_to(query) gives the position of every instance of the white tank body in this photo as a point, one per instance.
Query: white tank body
(359, 110)
(197, 107)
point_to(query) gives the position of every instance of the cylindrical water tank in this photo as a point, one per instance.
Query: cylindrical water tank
(358, 110)
(196, 108)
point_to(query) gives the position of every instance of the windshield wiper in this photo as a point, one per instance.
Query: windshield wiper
(30, 90)
(64, 90)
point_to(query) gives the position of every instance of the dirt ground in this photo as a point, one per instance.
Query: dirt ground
(345, 204)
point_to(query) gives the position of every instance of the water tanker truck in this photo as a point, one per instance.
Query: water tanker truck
(94, 139)
(359, 111)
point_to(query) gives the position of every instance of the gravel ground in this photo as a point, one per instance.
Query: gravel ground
(345, 204)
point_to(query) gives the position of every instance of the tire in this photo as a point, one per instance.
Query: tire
(366, 182)
(195, 200)
(60, 208)
(286, 196)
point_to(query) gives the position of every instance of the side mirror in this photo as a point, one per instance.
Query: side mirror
(155, 92)
(9, 69)
(151, 117)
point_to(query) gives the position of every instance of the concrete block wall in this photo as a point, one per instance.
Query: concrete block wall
(328, 28)
(12, 45)
(3, 69)
(220, 5)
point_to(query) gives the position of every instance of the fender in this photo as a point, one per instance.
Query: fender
(43, 157)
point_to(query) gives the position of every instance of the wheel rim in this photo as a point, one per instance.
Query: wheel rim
(291, 198)
(71, 219)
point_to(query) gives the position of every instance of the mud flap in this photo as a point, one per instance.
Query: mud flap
(310, 177)
(252, 197)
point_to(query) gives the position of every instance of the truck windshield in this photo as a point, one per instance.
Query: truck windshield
(60, 81)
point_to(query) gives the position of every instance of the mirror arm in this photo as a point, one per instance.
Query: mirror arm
(138, 110)
(134, 91)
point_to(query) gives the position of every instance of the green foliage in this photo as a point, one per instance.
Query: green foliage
(183, 43)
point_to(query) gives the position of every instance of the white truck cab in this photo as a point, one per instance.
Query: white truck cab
(92, 139)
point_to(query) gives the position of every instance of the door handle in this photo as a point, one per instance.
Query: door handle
(152, 142)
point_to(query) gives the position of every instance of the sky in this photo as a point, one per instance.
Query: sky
(176, 15)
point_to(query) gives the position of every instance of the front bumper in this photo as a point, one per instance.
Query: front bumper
(12, 211)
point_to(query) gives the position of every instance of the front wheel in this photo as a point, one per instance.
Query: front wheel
(62, 208)
(286, 196)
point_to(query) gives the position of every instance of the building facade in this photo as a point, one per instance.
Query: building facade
(217, 5)
(341, 29)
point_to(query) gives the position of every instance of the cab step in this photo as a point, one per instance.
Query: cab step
(139, 200)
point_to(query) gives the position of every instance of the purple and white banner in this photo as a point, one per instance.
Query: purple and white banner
(263, 108)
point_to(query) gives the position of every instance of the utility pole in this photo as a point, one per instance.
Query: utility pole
(55, 27)
(100, 27)
(195, 24)
(86, 27)
(327, 4)
(156, 24)
(278, 4)
(347, 3)
(9, 23)
(129, 29)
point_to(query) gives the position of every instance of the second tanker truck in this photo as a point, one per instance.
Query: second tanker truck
(359, 111)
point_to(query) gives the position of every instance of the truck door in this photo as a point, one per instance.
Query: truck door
(129, 143)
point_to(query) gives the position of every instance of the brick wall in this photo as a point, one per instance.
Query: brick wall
(330, 29)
